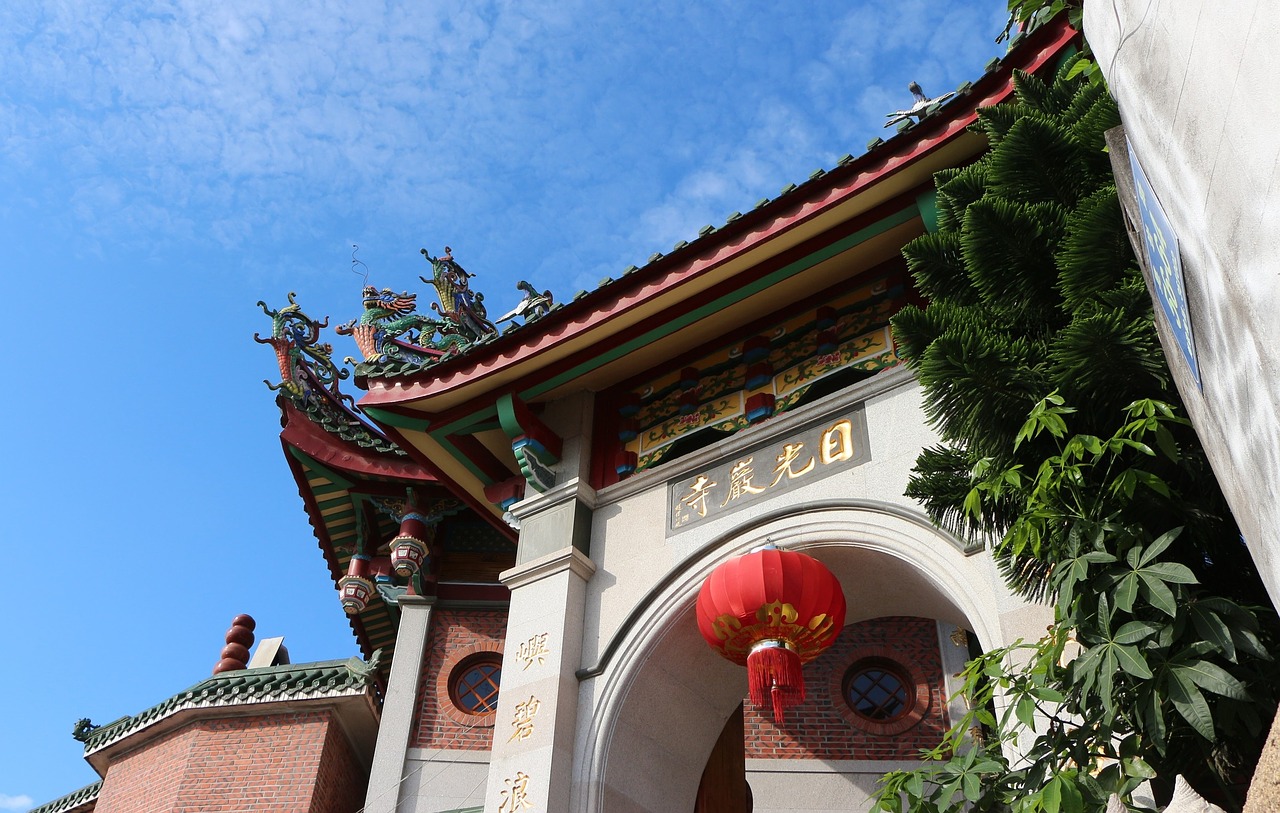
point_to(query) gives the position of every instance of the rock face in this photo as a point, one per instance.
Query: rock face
(1264, 792)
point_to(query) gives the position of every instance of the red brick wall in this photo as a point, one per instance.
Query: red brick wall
(341, 782)
(296, 761)
(455, 635)
(824, 727)
(148, 778)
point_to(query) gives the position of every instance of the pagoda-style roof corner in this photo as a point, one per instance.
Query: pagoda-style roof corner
(438, 398)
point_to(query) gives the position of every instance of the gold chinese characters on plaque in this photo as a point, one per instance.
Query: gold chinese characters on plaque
(822, 449)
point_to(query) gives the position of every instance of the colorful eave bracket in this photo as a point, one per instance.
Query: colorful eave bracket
(535, 446)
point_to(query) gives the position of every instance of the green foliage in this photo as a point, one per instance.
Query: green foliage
(1143, 673)
(1033, 289)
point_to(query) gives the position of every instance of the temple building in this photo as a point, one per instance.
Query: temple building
(520, 516)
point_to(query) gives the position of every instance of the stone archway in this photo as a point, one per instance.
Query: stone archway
(656, 712)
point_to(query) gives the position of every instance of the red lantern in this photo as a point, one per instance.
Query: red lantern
(773, 611)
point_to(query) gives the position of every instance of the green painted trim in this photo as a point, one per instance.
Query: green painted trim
(457, 455)
(507, 416)
(311, 463)
(927, 203)
(862, 235)
(396, 419)
(477, 421)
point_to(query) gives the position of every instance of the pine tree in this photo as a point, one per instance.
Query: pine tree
(1038, 318)
(1032, 289)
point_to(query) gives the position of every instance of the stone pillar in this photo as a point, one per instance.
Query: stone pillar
(531, 765)
(953, 643)
(398, 707)
(1264, 790)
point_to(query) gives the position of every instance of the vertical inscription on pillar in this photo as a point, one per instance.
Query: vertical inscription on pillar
(522, 722)
(533, 651)
(515, 797)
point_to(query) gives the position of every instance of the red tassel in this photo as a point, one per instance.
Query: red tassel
(776, 671)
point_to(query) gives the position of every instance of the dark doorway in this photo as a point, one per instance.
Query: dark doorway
(724, 787)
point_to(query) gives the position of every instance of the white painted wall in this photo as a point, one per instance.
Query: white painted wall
(647, 722)
(1196, 85)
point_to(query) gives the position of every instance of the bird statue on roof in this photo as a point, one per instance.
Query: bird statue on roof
(920, 109)
(533, 306)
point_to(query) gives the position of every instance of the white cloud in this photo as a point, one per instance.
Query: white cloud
(558, 138)
(15, 803)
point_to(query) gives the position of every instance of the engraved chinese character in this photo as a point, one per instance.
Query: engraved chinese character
(786, 462)
(740, 481)
(516, 797)
(534, 649)
(678, 516)
(523, 720)
(697, 496)
(837, 442)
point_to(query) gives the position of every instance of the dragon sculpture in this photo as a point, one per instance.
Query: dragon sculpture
(390, 328)
(306, 364)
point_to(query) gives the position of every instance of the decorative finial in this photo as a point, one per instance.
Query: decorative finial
(84, 727)
(919, 109)
(533, 306)
(235, 655)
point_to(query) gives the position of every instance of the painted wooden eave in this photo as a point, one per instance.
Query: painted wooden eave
(904, 162)
(345, 457)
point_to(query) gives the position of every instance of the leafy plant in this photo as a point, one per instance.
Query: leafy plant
(1143, 673)
(1032, 289)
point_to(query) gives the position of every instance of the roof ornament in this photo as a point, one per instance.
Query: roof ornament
(391, 328)
(83, 728)
(235, 654)
(306, 363)
(309, 377)
(920, 109)
(533, 306)
(360, 263)
(461, 308)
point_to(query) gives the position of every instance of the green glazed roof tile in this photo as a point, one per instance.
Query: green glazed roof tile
(71, 801)
(262, 685)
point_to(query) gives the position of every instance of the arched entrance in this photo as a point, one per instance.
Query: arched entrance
(656, 712)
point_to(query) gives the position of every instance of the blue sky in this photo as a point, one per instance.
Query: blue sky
(165, 164)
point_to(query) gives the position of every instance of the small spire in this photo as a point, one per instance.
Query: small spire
(235, 655)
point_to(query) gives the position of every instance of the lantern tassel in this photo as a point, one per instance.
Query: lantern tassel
(775, 671)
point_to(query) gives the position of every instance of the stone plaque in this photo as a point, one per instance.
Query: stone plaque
(768, 469)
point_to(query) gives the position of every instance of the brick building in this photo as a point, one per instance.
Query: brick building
(519, 521)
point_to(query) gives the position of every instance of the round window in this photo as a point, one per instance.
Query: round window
(473, 686)
(877, 691)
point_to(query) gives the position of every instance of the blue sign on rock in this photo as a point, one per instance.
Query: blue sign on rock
(1161, 244)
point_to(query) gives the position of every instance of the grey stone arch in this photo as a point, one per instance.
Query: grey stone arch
(654, 705)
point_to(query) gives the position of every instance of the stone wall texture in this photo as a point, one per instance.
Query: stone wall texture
(825, 727)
